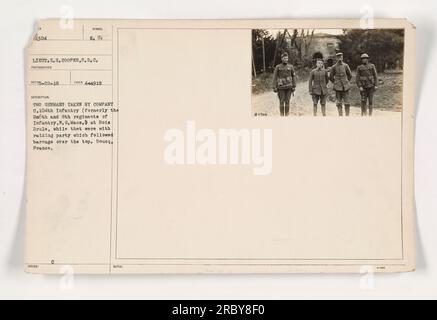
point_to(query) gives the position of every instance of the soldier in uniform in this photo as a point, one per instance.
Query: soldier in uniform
(284, 83)
(367, 81)
(318, 86)
(340, 76)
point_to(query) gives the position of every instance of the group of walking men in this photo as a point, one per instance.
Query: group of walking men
(284, 83)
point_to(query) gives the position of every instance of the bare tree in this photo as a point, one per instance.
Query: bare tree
(299, 39)
(280, 40)
(303, 39)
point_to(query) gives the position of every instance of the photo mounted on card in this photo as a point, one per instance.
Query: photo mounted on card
(220, 146)
(327, 72)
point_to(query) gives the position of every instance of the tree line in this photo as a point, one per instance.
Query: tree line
(384, 46)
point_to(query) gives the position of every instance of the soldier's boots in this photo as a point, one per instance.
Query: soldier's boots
(347, 108)
(363, 109)
(284, 108)
(324, 110)
(340, 109)
(287, 108)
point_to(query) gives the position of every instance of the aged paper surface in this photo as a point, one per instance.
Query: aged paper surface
(150, 151)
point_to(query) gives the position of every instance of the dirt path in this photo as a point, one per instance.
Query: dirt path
(267, 103)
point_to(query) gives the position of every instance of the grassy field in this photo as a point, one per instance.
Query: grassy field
(388, 97)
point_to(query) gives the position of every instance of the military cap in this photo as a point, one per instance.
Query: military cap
(285, 54)
(364, 55)
(339, 54)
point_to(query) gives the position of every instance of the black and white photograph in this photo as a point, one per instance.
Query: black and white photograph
(327, 72)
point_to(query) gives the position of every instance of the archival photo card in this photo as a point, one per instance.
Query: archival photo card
(202, 146)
